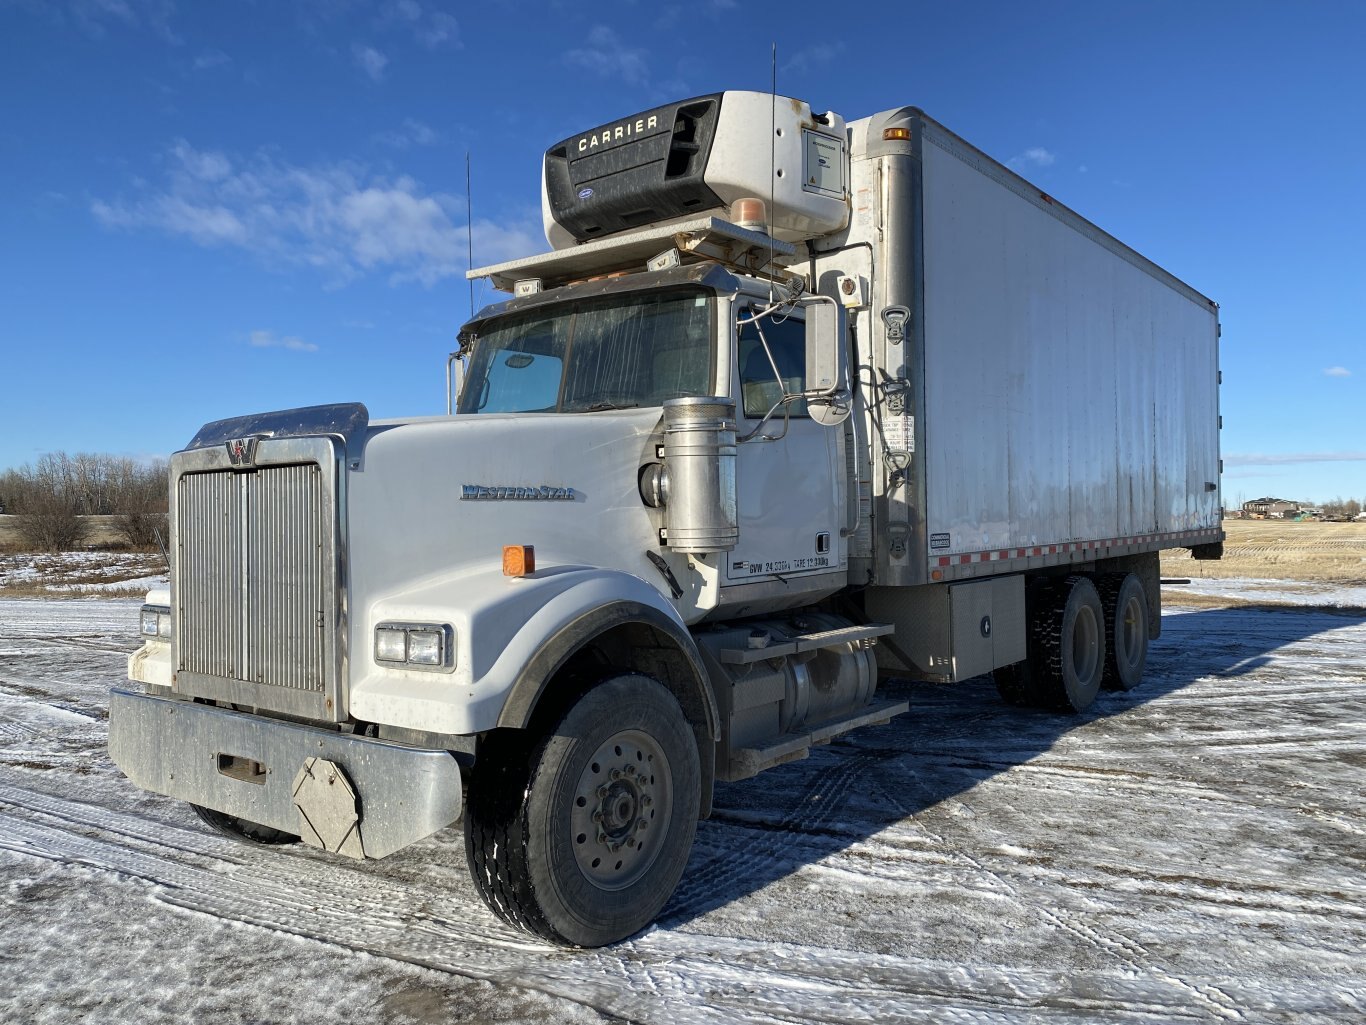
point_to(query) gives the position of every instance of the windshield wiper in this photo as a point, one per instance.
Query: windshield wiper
(598, 407)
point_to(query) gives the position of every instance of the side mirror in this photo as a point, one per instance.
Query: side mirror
(455, 379)
(825, 363)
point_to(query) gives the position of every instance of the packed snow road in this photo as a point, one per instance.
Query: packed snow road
(1191, 851)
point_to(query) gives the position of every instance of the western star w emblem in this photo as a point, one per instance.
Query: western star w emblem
(241, 451)
(515, 493)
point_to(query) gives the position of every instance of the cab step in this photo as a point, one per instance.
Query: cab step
(750, 761)
(805, 642)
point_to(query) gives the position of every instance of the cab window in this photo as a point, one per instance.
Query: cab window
(760, 387)
(611, 352)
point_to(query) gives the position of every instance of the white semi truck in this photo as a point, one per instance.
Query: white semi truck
(794, 404)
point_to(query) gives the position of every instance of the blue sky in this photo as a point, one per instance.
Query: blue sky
(217, 208)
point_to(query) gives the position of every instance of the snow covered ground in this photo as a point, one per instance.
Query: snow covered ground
(99, 572)
(1191, 851)
(1325, 594)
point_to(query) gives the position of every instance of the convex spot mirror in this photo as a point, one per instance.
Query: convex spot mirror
(825, 363)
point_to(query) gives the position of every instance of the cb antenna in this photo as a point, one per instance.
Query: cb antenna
(772, 164)
(469, 226)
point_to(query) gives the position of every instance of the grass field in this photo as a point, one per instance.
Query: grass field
(1281, 550)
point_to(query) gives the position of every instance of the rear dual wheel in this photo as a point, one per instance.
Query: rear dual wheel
(1018, 684)
(1066, 660)
(1069, 660)
(1126, 630)
(1083, 635)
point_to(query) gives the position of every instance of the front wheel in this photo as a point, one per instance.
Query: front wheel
(243, 829)
(580, 836)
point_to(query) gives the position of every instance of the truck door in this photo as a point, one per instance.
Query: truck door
(789, 491)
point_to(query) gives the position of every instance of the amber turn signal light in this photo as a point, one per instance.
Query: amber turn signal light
(518, 560)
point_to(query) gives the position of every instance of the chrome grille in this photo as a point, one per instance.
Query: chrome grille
(254, 589)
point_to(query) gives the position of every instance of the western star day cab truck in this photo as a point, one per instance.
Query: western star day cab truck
(792, 405)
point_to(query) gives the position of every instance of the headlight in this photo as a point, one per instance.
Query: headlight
(155, 621)
(424, 647)
(416, 645)
(391, 644)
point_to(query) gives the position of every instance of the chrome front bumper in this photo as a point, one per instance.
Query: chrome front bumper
(285, 775)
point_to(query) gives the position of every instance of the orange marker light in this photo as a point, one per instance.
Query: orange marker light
(518, 560)
(891, 134)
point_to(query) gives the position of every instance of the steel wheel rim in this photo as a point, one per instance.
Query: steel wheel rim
(1127, 636)
(621, 808)
(1085, 644)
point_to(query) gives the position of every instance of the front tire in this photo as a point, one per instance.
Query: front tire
(243, 829)
(581, 836)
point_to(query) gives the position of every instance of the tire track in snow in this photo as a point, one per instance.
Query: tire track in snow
(814, 804)
(708, 980)
(1128, 951)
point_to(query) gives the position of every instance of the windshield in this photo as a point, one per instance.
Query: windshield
(614, 352)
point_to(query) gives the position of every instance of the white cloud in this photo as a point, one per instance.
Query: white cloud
(206, 224)
(339, 218)
(267, 340)
(605, 55)
(440, 29)
(1035, 156)
(411, 133)
(431, 29)
(393, 225)
(1288, 458)
(95, 17)
(496, 242)
(370, 60)
(1338, 372)
(211, 59)
(812, 58)
(206, 165)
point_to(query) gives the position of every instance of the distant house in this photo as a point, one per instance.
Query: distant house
(1271, 508)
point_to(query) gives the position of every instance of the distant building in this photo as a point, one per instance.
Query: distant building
(1271, 508)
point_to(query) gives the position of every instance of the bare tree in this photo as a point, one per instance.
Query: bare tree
(142, 503)
(1338, 509)
(46, 504)
(51, 499)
